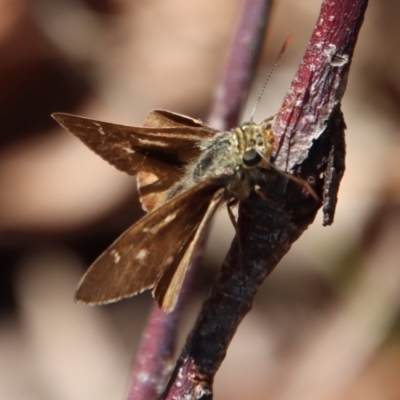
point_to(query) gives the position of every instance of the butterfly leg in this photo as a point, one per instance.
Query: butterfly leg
(229, 206)
(301, 182)
(258, 190)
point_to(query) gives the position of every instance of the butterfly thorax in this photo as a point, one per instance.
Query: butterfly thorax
(236, 155)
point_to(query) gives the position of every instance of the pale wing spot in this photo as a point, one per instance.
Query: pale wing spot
(115, 255)
(128, 150)
(169, 260)
(99, 128)
(170, 217)
(142, 254)
(156, 228)
(153, 142)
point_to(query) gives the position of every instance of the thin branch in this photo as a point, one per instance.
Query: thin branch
(245, 51)
(149, 373)
(153, 361)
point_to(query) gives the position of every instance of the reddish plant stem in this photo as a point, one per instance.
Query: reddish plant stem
(320, 81)
(155, 350)
(311, 144)
(159, 337)
(318, 87)
(154, 359)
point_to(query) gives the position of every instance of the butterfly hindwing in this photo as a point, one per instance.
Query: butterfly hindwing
(153, 189)
(168, 119)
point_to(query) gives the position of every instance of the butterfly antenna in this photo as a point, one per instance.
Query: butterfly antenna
(282, 51)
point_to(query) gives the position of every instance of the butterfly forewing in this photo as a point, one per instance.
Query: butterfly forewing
(140, 257)
(132, 149)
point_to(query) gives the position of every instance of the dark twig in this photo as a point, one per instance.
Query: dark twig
(154, 356)
(311, 145)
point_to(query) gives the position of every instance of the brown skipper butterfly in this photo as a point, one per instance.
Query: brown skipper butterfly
(185, 171)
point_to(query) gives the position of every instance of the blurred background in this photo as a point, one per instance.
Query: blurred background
(325, 325)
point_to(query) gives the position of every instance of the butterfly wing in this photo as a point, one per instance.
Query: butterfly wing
(132, 149)
(156, 152)
(142, 255)
(169, 286)
(152, 188)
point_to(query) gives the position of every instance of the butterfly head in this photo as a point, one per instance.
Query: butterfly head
(255, 143)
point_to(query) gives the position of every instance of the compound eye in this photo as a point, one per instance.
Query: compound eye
(251, 158)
